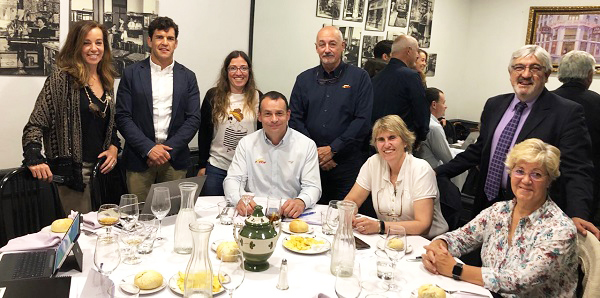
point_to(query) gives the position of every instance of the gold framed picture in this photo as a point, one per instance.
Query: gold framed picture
(561, 29)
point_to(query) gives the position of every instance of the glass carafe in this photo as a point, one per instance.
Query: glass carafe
(186, 216)
(198, 274)
(343, 248)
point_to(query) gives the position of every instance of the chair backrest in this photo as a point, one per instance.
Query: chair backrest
(107, 188)
(589, 257)
(28, 204)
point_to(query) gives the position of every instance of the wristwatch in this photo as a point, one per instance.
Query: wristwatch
(457, 271)
(381, 227)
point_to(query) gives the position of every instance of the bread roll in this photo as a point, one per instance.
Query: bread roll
(61, 225)
(431, 291)
(396, 244)
(226, 251)
(298, 226)
(148, 280)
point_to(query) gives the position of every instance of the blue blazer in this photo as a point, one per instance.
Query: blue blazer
(135, 121)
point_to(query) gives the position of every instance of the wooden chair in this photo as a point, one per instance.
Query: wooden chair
(589, 258)
(107, 188)
(27, 204)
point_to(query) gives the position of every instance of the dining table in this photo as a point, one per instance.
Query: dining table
(308, 274)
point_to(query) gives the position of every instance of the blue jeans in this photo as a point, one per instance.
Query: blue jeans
(213, 186)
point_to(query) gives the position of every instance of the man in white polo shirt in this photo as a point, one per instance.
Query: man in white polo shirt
(275, 161)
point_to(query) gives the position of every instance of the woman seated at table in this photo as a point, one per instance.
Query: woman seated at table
(411, 200)
(528, 246)
(229, 113)
(74, 117)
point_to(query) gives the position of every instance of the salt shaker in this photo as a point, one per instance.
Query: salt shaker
(283, 279)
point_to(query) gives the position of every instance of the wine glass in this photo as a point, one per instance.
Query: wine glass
(108, 216)
(395, 248)
(129, 210)
(245, 196)
(332, 218)
(161, 205)
(132, 238)
(107, 255)
(231, 271)
(348, 281)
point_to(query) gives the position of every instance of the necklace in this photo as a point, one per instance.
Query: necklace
(94, 107)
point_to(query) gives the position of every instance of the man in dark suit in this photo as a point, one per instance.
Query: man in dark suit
(531, 112)
(158, 112)
(576, 71)
(398, 90)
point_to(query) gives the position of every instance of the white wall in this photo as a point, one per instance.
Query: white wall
(202, 48)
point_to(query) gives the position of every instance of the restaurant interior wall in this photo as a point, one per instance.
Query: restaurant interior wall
(209, 30)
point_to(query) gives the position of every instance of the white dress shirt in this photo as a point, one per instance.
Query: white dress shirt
(162, 99)
(287, 170)
(435, 149)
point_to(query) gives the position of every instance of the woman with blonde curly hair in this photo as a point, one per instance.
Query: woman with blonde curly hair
(228, 113)
(73, 117)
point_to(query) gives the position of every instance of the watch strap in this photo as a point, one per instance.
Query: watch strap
(457, 271)
(381, 227)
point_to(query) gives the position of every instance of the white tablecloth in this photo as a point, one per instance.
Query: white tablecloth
(308, 275)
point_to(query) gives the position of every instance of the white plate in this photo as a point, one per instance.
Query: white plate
(173, 285)
(285, 227)
(131, 279)
(415, 294)
(216, 243)
(315, 249)
(381, 245)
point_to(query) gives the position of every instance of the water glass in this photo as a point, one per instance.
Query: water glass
(132, 239)
(385, 266)
(331, 219)
(107, 255)
(273, 212)
(395, 248)
(226, 213)
(231, 271)
(151, 225)
(348, 281)
(129, 210)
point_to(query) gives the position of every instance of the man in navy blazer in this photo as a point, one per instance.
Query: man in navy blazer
(551, 118)
(158, 112)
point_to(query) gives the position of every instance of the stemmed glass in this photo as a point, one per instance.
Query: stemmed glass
(332, 218)
(395, 248)
(132, 239)
(246, 197)
(107, 255)
(348, 281)
(231, 271)
(161, 205)
(108, 216)
(129, 210)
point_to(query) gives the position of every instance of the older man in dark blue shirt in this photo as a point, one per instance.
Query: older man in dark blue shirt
(331, 104)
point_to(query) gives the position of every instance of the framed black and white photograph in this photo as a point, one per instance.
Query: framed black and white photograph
(329, 9)
(29, 32)
(419, 27)
(127, 24)
(398, 13)
(353, 10)
(391, 35)
(352, 39)
(376, 15)
(368, 45)
(430, 68)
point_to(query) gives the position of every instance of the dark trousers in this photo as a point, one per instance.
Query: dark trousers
(213, 185)
(337, 182)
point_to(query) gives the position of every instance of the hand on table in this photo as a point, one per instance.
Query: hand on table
(431, 251)
(41, 171)
(365, 225)
(293, 208)
(244, 209)
(584, 226)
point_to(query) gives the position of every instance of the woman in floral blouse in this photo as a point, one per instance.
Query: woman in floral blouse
(528, 245)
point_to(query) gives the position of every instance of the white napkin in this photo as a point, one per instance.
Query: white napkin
(39, 240)
(90, 220)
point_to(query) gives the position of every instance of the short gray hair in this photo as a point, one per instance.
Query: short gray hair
(535, 50)
(576, 65)
(402, 42)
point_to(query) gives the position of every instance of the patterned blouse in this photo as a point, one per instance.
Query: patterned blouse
(540, 262)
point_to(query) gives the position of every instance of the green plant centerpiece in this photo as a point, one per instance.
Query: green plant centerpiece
(257, 240)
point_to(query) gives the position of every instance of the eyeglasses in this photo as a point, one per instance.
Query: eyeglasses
(533, 68)
(389, 202)
(234, 69)
(534, 176)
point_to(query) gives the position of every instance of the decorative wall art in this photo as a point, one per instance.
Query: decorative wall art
(419, 27)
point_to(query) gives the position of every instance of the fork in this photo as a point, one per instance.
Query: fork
(462, 292)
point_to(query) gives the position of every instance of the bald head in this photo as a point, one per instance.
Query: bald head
(406, 49)
(330, 45)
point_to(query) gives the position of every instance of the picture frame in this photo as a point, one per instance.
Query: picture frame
(560, 29)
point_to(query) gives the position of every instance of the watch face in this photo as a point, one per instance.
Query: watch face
(457, 271)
